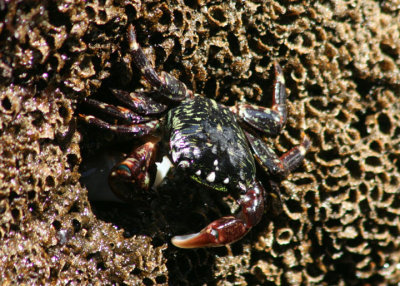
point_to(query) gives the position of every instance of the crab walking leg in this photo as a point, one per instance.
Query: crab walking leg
(140, 102)
(267, 120)
(118, 112)
(273, 164)
(295, 156)
(134, 129)
(135, 171)
(168, 85)
(228, 229)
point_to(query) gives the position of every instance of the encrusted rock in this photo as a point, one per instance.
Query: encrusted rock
(340, 219)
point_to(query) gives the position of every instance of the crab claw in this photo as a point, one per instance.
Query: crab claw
(218, 233)
(135, 172)
(228, 229)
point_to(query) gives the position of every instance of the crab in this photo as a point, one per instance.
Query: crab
(213, 144)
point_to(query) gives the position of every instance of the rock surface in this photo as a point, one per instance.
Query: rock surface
(340, 219)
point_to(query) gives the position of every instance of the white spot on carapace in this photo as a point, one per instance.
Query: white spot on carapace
(175, 156)
(216, 162)
(184, 164)
(198, 172)
(196, 152)
(226, 181)
(211, 177)
(162, 170)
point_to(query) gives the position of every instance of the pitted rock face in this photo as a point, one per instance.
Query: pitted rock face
(343, 76)
(206, 141)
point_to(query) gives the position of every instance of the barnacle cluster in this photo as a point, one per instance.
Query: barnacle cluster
(340, 219)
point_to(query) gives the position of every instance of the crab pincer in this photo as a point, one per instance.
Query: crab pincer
(228, 229)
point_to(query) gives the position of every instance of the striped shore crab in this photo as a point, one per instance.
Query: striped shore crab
(215, 145)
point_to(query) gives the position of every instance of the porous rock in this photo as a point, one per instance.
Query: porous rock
(340, 219)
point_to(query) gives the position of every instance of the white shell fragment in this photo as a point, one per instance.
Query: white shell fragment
(162, 170)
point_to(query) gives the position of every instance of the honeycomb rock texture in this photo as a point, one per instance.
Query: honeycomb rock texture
(339, 223)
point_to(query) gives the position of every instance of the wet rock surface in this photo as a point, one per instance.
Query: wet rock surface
(340, 219)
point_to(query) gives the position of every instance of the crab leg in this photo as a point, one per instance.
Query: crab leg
(118, 112)
(167, 85)
(135, 173)
(134, 129)
(267, 120)
(228, 229)
(271, 163)
(139, 102)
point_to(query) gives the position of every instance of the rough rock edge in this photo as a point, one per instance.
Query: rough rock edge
(341, 61)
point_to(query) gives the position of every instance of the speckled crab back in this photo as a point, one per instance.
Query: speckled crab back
(206, 140)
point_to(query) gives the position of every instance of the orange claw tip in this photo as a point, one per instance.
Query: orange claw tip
(194, 240)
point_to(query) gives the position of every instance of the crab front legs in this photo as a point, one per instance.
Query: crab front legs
(137, 171)
(228, 229)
